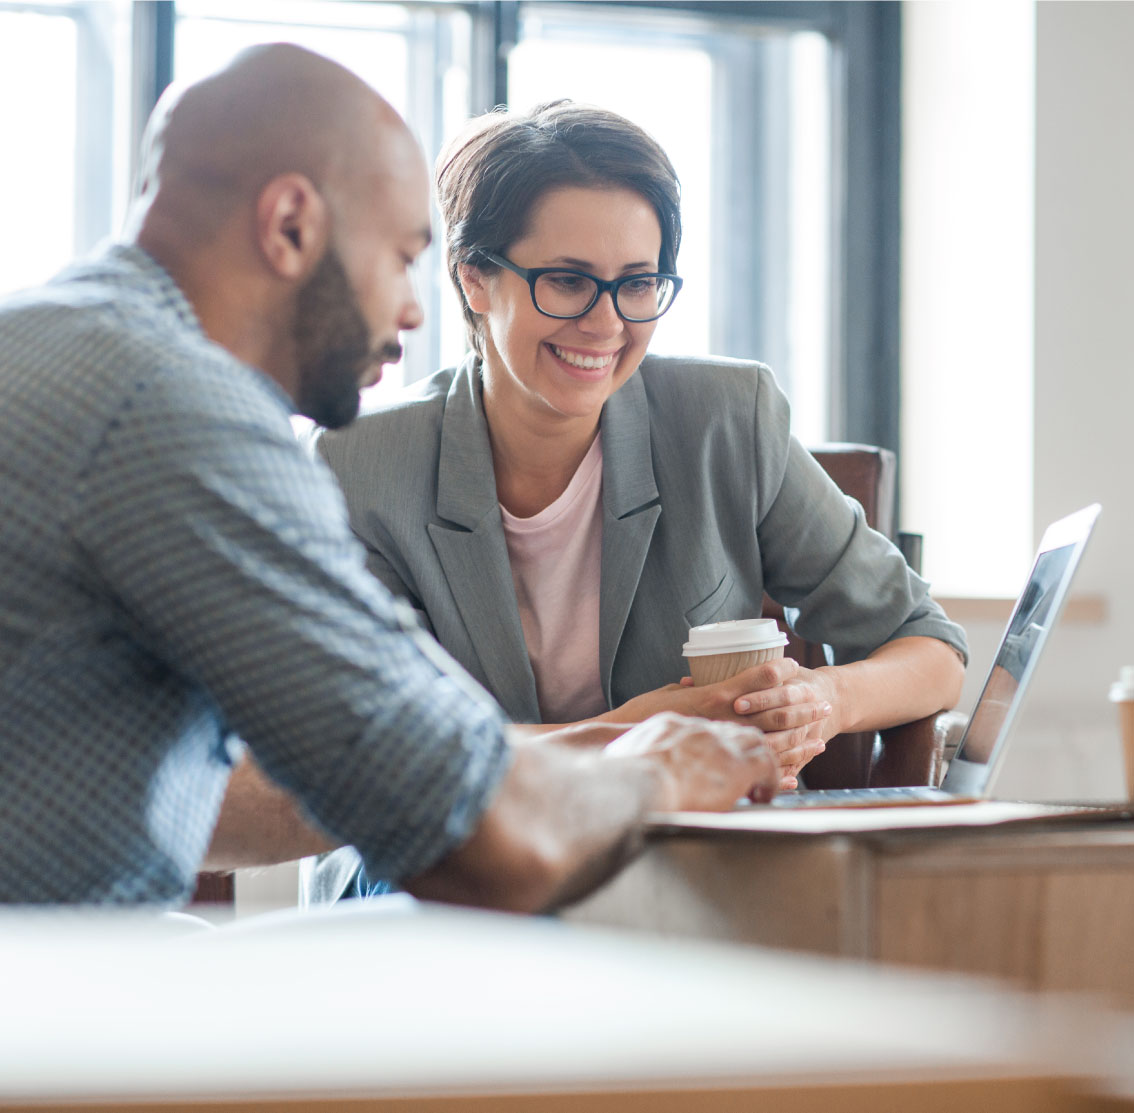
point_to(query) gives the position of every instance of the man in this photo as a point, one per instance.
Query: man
(176, 574)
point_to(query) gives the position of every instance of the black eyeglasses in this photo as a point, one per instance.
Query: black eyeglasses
(566, 294)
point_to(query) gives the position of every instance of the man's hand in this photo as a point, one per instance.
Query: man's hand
(705, 765)
(567, 816)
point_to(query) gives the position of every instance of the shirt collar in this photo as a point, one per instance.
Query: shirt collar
(138, 266)
(137, 263)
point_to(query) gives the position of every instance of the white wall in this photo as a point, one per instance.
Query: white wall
(968, 109)
(1084, 290)
(1083, 387)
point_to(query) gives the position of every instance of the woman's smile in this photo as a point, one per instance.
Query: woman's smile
(583, 363)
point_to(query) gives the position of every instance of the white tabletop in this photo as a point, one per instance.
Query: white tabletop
(436, 1001)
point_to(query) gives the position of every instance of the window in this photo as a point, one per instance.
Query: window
(417, 56)
(65, 85)
(781, 117)
(744, 111)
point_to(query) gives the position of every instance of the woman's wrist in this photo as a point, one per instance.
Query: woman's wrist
(632, 711)
(840, 694)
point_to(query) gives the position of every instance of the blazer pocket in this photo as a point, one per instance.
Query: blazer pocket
(712, 604)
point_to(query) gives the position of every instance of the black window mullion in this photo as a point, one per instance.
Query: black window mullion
(871, 277)
(153, 24)
(165, 16)
(506, 28)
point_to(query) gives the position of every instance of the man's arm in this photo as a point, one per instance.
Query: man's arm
(260, 824)
(563, 820)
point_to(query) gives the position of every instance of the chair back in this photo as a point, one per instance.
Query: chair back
(867, 474)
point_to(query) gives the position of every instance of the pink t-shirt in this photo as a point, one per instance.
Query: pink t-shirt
(556, 558)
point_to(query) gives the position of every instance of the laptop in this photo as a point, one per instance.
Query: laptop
(985, 742)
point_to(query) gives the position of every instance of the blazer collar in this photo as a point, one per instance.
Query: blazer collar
(476, 563)
(632, 508)
(628, 467)
(466, 485)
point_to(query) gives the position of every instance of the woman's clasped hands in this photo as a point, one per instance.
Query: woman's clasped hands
(794, 707)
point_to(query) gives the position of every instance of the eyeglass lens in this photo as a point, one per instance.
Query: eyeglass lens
(642, 298)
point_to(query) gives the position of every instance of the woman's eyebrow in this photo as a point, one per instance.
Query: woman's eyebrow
(586, 264)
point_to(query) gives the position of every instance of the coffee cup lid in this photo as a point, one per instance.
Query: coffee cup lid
(1123, 688)
(733, 636)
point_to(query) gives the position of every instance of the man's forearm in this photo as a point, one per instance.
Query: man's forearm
(260, 824)
(561, 824)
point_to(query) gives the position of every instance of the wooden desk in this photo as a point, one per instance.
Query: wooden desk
(1047, 907)
(444, 1012)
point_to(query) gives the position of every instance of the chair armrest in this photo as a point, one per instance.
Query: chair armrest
(914, 753)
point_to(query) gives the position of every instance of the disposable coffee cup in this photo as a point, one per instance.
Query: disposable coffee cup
(719, 650)
(1122, 694)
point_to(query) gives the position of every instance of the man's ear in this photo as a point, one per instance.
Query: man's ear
(292, 225)
(473, 286)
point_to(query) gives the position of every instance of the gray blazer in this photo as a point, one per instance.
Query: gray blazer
(708, 502)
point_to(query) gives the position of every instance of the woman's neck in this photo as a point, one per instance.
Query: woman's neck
(534, 461)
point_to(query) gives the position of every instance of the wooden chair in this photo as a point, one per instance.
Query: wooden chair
(910, 754)
(215, 888)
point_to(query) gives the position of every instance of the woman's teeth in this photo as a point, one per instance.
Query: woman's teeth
(586, 363)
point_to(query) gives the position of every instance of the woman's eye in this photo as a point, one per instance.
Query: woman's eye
(565, 282)
(640, 287)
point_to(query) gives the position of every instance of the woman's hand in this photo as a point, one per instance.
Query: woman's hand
(800, 709)
(791, 704)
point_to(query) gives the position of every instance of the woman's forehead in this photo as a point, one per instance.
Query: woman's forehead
(580, 221)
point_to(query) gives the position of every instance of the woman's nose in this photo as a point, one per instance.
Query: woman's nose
(602, 316)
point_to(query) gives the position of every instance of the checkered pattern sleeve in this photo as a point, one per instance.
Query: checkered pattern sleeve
(175, 571)
(227, 546)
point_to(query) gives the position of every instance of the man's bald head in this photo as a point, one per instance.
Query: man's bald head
(288, 201)
(275, 109)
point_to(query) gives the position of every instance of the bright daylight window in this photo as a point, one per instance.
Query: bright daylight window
(745, 115)
(756, 120)
(757, 255)
(416, 56)
(64, 84)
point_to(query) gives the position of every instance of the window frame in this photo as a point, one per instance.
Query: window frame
(865, 390)
(866, 40)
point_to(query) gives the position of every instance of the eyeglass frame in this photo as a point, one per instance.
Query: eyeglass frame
(532, 274)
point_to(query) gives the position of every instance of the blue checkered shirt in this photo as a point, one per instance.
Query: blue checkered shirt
(176, 573)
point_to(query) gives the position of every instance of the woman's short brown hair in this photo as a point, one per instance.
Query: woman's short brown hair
(491, 176)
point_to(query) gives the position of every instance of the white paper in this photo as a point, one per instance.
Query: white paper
(811, 821)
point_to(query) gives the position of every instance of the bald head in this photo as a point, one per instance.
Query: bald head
(288, 200)
(275, 109)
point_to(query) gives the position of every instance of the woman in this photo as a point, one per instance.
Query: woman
(562, 508)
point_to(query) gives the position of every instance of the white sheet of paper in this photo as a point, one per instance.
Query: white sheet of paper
(810, 821)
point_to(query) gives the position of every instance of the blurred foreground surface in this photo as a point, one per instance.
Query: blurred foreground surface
(398, 1005)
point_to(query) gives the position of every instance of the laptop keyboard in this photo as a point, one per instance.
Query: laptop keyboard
(865, 797)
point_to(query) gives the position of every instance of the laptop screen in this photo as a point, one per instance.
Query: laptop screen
(1036, 612)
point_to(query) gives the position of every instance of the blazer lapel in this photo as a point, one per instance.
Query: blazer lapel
(631, 507)
(469, 543)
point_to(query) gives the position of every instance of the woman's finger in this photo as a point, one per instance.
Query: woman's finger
(782, 695)
(790, 717)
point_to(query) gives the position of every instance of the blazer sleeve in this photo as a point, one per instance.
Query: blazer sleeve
(840, 582)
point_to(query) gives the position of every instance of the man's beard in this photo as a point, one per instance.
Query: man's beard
(333, 345)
